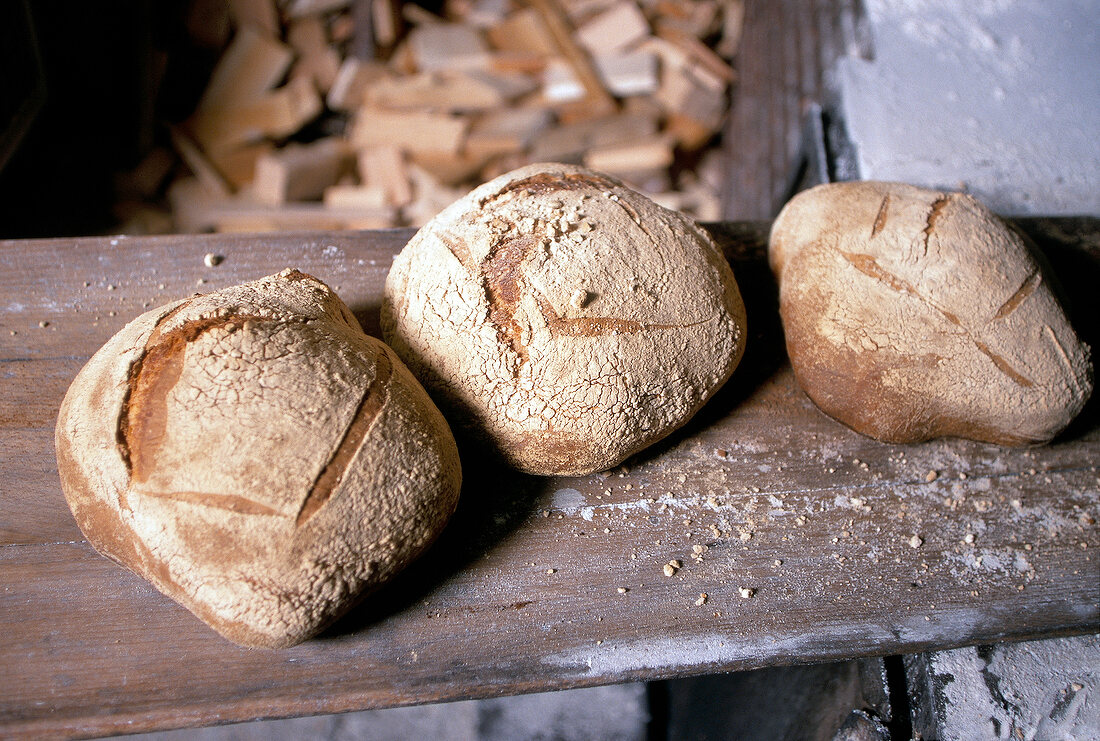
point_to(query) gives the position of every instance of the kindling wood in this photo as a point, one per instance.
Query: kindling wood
(796, 539)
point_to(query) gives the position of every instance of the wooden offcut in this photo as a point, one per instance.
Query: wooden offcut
(252, 65)
(415, 131)
(300, 172)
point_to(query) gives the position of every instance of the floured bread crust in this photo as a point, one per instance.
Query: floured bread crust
(565, 318)
(911, 314)
(256, 457)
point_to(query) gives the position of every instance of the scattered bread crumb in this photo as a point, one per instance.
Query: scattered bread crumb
(551, 571)
(932, 476)
(916, 541)
(211, 260)
(43, 324)
(622, 590)
(746, 592)
(702, 599)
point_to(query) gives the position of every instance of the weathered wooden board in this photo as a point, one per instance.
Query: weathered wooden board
(786, 51)
(522, 592)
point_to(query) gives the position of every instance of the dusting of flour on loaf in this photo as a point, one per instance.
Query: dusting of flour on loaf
(563, 318)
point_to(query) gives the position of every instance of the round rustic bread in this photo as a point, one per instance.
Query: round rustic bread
(911, 314)
(567, 319)
(256, 457)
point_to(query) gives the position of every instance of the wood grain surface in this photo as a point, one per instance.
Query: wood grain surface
(811, 543)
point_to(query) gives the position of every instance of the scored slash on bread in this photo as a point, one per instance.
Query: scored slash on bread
(911, 314)
(256, 457)
(563, 318)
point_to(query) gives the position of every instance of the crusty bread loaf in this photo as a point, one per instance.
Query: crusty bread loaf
(911, 314)
(565, 318)
(256, 457)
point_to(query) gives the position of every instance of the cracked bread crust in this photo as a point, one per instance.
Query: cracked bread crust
(563, 318)
(912, 314)
(256, 457)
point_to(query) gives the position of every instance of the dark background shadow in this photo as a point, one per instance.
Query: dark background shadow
(1071, 246)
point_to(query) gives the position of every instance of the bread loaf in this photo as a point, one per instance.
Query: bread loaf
(911, 314)
(256, 457)
(566, 319)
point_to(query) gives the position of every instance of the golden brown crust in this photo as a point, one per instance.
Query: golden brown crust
(256, 457)
(911, 314)
(564, 318)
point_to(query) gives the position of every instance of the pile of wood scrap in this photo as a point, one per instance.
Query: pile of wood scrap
(376, 113)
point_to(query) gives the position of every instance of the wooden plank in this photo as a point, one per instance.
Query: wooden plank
(759, 476)
(784, 52)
